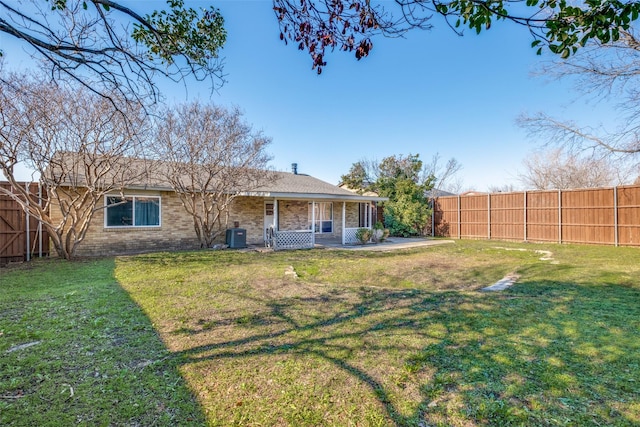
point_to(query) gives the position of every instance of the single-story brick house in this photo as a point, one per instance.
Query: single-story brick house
(289, 212)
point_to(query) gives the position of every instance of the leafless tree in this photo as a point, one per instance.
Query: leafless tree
(605, 72)
(444, 173)
(111, 49)
(76, 141)
(210, 157)
(506, 188)
(557, 169)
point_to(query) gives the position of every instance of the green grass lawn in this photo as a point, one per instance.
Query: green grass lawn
(225, 338)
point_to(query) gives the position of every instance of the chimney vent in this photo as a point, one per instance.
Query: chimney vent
(294, 168)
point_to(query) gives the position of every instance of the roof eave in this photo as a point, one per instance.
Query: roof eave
(150, 187)
(314, 196)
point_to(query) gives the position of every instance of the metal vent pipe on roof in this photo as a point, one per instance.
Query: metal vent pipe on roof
(294, 168)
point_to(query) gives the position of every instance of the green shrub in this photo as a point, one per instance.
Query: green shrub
(363, 235)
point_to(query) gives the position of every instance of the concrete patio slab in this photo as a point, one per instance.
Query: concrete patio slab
(391, 244)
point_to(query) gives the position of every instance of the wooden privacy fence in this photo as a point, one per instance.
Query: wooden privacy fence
(609, 216)
(22, 237)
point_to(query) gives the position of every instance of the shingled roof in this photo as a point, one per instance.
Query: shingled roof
(151, 175)
(290, 185)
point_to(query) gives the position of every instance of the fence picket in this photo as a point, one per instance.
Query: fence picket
(19, 232)
(563, 216)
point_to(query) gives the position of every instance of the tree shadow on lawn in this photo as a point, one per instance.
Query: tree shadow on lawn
(542, 353)
(98, 359)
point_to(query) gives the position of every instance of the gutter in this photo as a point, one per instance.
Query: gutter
(314, 196)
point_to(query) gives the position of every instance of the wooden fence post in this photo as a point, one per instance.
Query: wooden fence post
(615, 216)
(489, 216)
(40, 222)
(560, 216)
(587, 219)
(433, 218)
(459, 219)
(525, 216)
(28, 220)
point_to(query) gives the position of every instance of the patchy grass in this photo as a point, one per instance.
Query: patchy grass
(76, 350)
(360, 338)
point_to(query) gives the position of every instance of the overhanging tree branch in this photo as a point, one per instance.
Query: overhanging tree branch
(350, 25)
(604, 72)
(110, 48)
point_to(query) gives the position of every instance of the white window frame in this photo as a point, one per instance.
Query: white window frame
(313, 220)
(133, 219)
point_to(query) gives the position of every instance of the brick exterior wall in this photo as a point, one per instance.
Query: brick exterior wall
(249, 212)
(293, 215)
(176, 230)
(353, 216)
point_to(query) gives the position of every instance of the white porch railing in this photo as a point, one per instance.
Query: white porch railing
(294, 239)
(302, 239)
(350, 236)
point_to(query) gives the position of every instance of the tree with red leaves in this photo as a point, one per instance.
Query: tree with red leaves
(350, 25)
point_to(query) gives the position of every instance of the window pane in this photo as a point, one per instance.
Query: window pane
(147, 211)
(323, 217)
(327, 211)
(121, 214)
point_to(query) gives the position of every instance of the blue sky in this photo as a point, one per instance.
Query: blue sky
(431, 92)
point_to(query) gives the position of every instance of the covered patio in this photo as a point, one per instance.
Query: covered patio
(328, 219)
(294, 210)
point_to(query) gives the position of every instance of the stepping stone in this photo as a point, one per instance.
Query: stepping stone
(502, 284)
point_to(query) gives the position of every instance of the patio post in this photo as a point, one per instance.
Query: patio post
(275, 214)
(344, 222)
(275, 224)
(313, 223)
(366, 214)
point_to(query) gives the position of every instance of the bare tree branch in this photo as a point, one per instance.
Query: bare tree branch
(560, 170)
(606, 72)
(78, 143)
(111, 49)
(443, 174)
(210, 157)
